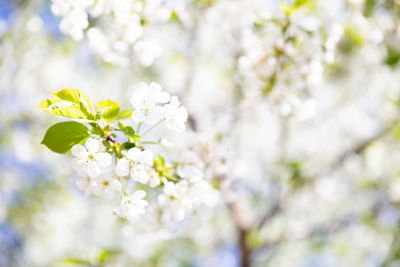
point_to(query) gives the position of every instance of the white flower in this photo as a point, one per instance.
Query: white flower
(65, 7)
(147, 52)
(74, 24)
(98, 41)
(100, 7)
(190, 166)
(135, 164)
(154, 178)
(175, 201)
(122, 168)
(175, 115)
(203, 193)
(85, 184)
(106, 185)
(132, 28)
(139, 173)
(132, 206)
(75, 18)
(145, 100)
(137, 155)
(174, 190)
(89, 160)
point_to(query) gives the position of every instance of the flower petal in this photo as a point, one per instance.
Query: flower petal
(93, 169)
(115, 185)
(78, 151)
(146, 157)
(122, 168)
(103, 159)
(92, 145)
(139, 194)
(138, 116)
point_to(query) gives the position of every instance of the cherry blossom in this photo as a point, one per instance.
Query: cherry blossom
(175, 200)
(135, 164)
(89, 160)
(106, 185)
(175, 115)
(132, 207)
(144, 101)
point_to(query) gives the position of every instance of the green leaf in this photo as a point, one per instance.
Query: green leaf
(216, 183)
(298, 3)
(351, 41)
(75, 261)
(106, 254)
(396, 131)
(393, 56)
(107, 145)
(108, 110)
(127, 145)
(159, 166)
(294, 6)
(128, 131)
(159, 161)
(206, 3)
(75, 96)
(62, 136)
(174, 17)
(125, 114)
(69, 103)
(254, 239)
(61, 108)
(369, 7)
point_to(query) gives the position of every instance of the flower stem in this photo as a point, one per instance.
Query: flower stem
(152, 127)
(138, 128)
(151, 143)
(171, 178)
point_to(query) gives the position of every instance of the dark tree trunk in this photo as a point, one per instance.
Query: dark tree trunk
(244, 249)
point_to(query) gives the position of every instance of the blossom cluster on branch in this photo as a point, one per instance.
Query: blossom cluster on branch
(115, 29)
(148, 185)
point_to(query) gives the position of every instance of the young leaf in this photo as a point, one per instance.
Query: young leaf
(159, 161)
(76, 96)
(159, 165)
(62, 136)
(69, 103)
(298, 3)
(294, 6)
(127, 145)
(125, 114)
(75, 261)
(106, 254)
(128, 132)
(108, 110)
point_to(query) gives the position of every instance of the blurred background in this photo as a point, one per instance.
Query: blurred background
(294, 110)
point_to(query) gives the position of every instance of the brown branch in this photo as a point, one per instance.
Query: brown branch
(360, 147)
(357, 149)
(274, 210)
(244, 248)
(328, 229)
(242, 226)
(339, 224)
(110, 138)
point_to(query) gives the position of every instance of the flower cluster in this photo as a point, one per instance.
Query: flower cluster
(282, 57)
(147, 100)
(75, 18)
(145, 183)
(118, 26)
